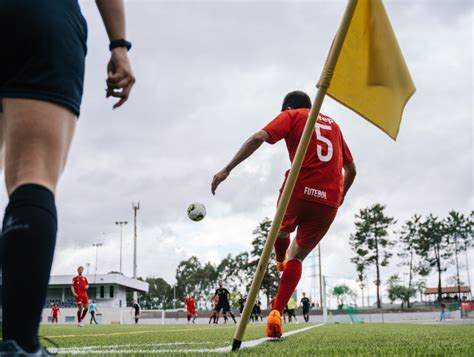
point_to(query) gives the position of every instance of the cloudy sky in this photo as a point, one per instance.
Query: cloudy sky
(209, 74)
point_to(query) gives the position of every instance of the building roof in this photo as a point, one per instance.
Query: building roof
(448, 290)
(100, 279)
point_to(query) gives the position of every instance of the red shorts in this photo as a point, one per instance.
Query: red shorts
(312, 219)
(191, 312)
(82, 299)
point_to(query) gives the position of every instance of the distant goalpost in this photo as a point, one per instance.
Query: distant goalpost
(151, 316)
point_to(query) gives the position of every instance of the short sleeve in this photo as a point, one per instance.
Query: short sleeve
(346, 153)
(278, 128)
(87, 281)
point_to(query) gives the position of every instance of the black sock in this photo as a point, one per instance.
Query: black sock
(28, 240)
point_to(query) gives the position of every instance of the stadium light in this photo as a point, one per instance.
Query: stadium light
(121, 224)
(96, 245)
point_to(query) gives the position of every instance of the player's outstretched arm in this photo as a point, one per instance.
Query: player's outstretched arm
(246, 150)
(349, 175)
(120, 74)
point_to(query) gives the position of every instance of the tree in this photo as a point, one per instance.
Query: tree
(271, 277)
(233, 270)
(454, 281)
(408, 236)
(420, 286)
(400, 292)
(361, 275)
(396, 291)
(468, 243)
(187, 277)
(371, 241)
(159, 296)
(433, 247)
(457, 231)
(196, 279)
(341, 292)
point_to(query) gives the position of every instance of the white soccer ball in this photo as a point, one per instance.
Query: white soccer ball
(196, 212)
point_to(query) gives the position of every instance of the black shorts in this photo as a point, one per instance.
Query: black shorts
(305, 311)
(43, 51)
(225, 307)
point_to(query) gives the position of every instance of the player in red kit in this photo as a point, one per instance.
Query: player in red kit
(79, 290)
(190, 308)
(326, 175)
(214, 316)
(55, 313)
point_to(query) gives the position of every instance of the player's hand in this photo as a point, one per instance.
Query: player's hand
(218, 178)
(120, 76)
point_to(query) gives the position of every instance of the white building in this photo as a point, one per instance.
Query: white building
(108, 290)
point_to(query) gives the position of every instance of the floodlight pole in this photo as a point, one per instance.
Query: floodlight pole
(121, 224)
(135, 208)
(323, 86)
(324, 302)
(320, 277)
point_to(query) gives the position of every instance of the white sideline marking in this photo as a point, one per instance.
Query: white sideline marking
(89, 348)
(133, 332)
(101, 349)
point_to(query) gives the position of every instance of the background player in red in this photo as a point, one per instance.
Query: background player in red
(214, 316)
(55, 313)
(79, 290)
(190, 308)
(326, 175)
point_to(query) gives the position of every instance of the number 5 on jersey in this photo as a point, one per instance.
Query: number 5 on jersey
(321, 138)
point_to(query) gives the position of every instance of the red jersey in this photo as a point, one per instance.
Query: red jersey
(80, 282)
(320, 179)
(190, 304)
(55, 311)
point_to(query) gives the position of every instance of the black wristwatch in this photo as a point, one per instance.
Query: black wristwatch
(120, 43)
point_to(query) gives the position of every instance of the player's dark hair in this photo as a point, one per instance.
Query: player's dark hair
(296, 100)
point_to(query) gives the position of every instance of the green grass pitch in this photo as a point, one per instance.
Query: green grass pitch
(327, 340)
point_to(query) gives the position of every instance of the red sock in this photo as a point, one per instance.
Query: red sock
(289, 280)
(281, 245)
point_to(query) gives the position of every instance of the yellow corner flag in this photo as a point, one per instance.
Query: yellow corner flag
(371, 76)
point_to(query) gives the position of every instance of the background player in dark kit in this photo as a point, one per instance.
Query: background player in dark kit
(223, 303)
(305, 303)
(136, 311)
(41, 82)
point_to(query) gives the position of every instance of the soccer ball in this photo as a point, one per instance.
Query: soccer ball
(196, 212)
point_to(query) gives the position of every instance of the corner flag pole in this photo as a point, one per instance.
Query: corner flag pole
(295, 170)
